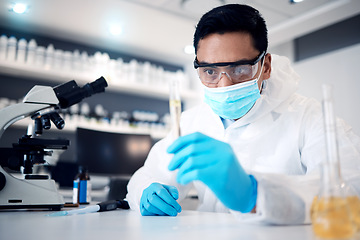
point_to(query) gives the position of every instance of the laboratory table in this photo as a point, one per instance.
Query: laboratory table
(127, 224)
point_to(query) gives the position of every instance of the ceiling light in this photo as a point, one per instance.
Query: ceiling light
(19, 8)
(189, 49)
(115, 30)
(296, 1)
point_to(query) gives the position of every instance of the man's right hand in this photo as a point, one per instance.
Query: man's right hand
(160, 200)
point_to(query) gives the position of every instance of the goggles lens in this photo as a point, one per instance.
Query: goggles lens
(241, 71)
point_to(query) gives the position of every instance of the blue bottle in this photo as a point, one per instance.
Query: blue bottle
(82, 187)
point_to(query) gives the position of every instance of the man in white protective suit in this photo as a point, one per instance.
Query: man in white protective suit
(254, 147)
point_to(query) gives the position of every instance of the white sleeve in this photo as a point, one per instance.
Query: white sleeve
(287, 199)
(283, 199)
(155, 169)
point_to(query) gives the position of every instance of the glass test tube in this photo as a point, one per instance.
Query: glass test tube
(175, 107)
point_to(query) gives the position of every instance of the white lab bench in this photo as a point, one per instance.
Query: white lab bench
(127, 224)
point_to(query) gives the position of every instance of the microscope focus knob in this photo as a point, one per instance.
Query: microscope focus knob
(2, 181)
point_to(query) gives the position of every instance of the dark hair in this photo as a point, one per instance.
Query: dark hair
(233, 18)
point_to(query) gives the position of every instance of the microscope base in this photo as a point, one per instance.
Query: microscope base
(29, 193)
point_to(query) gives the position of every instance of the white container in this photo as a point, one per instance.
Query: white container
(40, 56)
(160, 76)
(21, 52)
(31, 52)
(146, 75)
(84, 61)
(67, 57)
(118, 71)
(3, 47)
(98, 63)
(49, 56)
(58, 59)
(133, 66)
(125, 73)
(111, 70)
(85, 109)
(76, 60)
(11, 49)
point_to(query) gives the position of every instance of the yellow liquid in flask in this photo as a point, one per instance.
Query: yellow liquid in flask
(336, 217)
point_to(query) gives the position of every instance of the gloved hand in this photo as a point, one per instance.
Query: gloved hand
(199, 157)
(159, 199)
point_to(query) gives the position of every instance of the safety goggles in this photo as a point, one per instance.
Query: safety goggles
(239, 71)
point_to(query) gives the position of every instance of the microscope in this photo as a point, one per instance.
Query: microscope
(42, 104)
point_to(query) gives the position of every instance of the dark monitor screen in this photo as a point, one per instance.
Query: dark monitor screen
(108, 153)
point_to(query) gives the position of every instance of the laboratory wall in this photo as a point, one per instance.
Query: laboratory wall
(329, 56)
(340, 69)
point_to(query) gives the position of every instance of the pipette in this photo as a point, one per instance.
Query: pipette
(100, 207)
(175, 107)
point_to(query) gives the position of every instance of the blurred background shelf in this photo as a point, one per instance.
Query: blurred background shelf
(54, 75)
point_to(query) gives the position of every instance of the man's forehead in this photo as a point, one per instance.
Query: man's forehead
(227, 47)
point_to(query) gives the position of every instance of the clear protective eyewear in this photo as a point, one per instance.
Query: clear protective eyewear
(239, 71)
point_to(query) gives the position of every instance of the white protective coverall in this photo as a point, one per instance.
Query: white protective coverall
(280, 141)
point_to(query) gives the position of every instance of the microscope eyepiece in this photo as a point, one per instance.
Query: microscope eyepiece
(97, 86)
(70, 93)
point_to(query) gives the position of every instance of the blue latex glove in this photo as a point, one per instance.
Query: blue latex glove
(159, 199)
(199, 157)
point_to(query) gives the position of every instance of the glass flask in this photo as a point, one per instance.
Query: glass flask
(335, 211)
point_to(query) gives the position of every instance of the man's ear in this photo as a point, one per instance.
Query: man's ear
(267, 67)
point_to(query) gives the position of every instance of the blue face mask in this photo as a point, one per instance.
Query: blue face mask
(233, 102)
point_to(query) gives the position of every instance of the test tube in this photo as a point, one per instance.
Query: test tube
(175, 107)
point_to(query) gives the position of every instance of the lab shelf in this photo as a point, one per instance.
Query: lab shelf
(71, 126)
(48, 75)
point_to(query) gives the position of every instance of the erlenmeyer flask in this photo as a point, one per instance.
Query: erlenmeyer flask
(335, 212)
